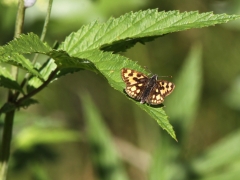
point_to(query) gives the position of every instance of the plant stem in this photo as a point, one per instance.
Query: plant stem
(19, 19)
(44, 31)
(9, 118)
(46, 20)
(32, 93)
(6, 141)
(18, 29)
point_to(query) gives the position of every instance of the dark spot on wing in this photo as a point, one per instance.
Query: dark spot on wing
(135, 78)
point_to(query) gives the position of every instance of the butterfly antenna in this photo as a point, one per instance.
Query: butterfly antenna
(145, 67)
(166, 76)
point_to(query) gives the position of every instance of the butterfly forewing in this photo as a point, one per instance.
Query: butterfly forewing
(141, 87)
(135, 82)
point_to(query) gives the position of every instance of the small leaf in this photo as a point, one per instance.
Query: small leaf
(45, 71)
(7, 81)
(7, 107)
(28, 102)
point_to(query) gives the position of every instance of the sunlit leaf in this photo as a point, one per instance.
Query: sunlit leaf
(122, 33)
(104, 154)
(12, 53)
(110, 66)
(26, 44)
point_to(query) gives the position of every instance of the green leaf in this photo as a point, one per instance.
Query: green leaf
(26, 44)
(232, 96)
(164, 162)
(110, 66)
(41, 130)
(221, 160)
(103, 152)
(7, 81)
(184, 100)
(45, 71)
(19, 61)
(7, 107)
(27, 103)
(82, 48)
(32, 136)
(122, 33)
(63, 60)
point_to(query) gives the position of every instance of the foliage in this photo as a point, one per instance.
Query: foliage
(88, 48)
(94, 47)
(103, 153)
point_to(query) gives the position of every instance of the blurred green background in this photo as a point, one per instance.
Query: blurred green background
(84, 129)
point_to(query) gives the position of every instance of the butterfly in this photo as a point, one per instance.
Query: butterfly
(146, 89)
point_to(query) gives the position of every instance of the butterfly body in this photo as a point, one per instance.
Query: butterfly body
(149, 86)
(145, 89)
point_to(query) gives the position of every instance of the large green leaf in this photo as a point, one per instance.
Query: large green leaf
(121, 33)
(82, 49)
(110, 65)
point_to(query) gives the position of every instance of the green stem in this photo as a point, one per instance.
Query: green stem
(18, 29)
(6, 142)
(7, 130)
(32, 93)
(19, 19)
(46, 20)
(9, 118)
(44, 31)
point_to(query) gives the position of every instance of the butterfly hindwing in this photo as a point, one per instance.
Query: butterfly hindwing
(159, 92)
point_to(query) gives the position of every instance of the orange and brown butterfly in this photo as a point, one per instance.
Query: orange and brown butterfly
(146, 89)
